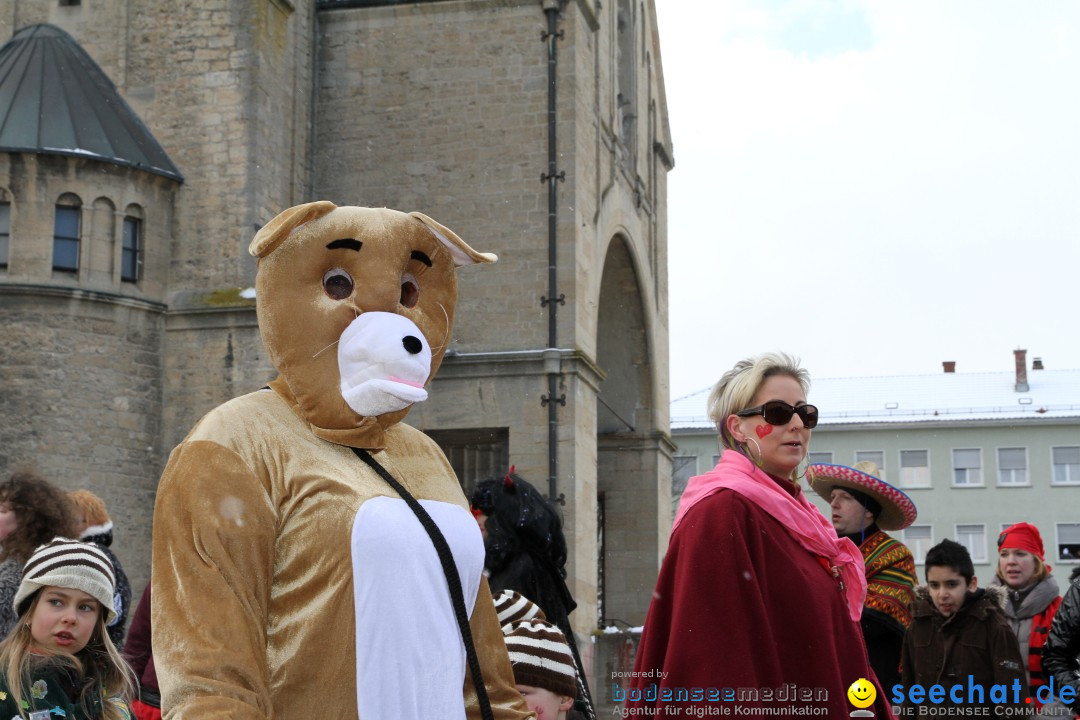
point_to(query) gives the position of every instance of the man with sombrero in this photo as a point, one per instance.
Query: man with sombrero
(863, 506)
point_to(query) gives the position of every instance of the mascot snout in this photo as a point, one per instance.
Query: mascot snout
(384, 361)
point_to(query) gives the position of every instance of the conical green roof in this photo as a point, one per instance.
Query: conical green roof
(54, 99)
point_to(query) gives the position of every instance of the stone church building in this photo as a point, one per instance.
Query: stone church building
(143, 143)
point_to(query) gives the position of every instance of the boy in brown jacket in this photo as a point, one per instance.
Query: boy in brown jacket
(959, 650)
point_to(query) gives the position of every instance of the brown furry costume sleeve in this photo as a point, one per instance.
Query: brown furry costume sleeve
(212, 585)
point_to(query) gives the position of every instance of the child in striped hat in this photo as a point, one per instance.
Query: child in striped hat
(59, 659)
(544, 669)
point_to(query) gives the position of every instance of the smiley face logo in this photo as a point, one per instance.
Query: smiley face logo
(862, 693)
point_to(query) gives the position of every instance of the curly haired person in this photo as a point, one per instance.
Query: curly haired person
(32, 512)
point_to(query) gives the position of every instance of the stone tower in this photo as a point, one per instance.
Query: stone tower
(86, 213)
(535, 129)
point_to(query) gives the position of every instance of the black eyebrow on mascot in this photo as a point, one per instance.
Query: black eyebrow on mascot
(290, 578)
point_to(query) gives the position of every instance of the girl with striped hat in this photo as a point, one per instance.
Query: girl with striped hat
(59, 660)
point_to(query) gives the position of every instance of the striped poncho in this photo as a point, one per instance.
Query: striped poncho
(890, 579)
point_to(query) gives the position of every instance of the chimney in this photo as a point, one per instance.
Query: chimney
(949, 365)
(1021, 370)
(1036, 364)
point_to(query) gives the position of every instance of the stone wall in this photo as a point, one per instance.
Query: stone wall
(82, 402)
(224, 87)
(214, 354)
(442, 108)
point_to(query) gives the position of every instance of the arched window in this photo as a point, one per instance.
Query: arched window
(67, 227)
(131, 254)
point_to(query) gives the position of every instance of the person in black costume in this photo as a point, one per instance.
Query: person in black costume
(1061, 653)
(526, 552)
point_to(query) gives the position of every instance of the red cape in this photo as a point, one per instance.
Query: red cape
(741, 608)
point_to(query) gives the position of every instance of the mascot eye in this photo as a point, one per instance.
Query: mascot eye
(410, 291)
(337, 283)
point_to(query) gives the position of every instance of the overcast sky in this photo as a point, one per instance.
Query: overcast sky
(873, 186)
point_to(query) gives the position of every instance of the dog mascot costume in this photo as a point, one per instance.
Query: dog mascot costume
(290, 579)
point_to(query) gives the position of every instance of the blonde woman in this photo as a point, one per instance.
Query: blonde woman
(1032, 597)
(756, 591)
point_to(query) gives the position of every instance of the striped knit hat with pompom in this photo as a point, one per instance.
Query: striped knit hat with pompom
(541, 657)
(511, 607)
(69, 564)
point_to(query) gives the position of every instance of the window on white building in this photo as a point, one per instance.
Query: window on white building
(919, 539)
(1068, 542)
(1066, 465)
(1012, 466)
(820, 457)
(967, 466)
(683, 467)
(914, 468)
(973, 537)
(875, 456)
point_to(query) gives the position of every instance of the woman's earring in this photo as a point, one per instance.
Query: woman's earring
(805, 465)
(757, 460)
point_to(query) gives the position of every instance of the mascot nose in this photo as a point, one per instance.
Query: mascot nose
(412, 344)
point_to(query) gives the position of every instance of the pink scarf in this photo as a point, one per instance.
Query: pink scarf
(798, 516)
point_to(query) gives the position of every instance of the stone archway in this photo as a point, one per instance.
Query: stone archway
(633, 454)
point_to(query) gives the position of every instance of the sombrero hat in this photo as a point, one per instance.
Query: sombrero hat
(897, 509)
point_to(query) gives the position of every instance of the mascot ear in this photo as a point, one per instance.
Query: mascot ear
(286, 223)
(459, 250)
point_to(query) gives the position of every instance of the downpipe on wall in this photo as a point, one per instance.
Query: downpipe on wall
(552, 177)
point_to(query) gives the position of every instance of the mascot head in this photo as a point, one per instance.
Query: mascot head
(356, 307)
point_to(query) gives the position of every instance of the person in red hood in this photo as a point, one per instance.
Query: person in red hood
(1033, 596)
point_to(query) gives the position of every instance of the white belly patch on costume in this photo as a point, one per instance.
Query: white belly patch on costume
(410, 661)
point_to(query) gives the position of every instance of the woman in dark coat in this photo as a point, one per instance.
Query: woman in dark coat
(1061, 654)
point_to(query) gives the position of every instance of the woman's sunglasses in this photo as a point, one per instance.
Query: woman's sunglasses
(778, 412)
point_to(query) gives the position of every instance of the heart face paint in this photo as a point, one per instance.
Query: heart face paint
(763, 430)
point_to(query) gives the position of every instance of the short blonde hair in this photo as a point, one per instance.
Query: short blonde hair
(736, 389)
(90, 507)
